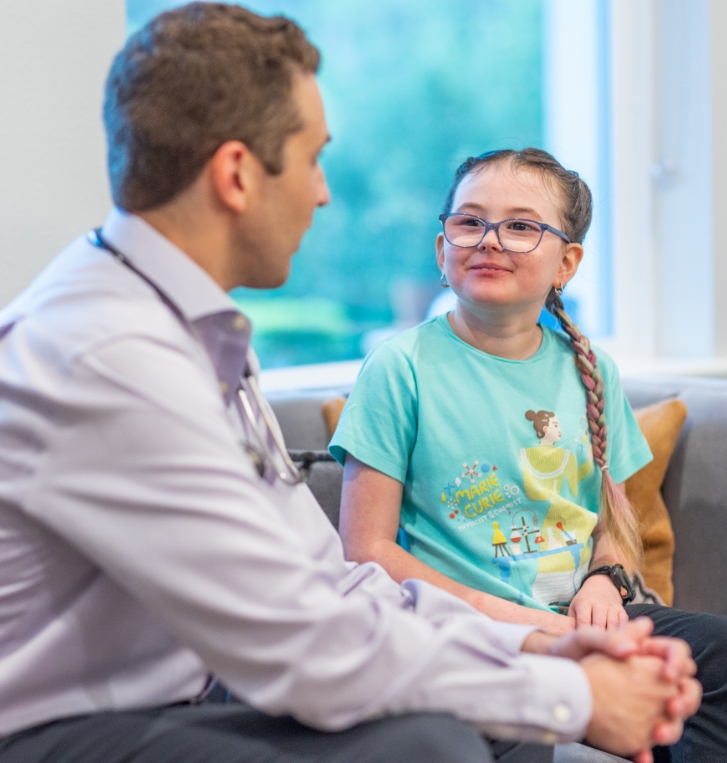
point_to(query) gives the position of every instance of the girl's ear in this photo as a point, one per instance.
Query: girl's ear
(440, 251)
(572, 256)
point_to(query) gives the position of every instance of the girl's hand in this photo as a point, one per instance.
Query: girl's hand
(598, 603)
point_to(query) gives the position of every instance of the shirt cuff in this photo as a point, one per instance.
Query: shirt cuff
(559, 705)
(433, 603)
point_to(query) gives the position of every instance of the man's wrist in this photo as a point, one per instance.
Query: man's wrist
(538, 642)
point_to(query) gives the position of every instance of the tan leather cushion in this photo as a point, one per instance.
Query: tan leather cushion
(331, 411)
(660, 424)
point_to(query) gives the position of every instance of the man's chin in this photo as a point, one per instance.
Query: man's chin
(266, 280)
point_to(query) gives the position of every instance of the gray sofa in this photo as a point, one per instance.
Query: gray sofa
(695, 487)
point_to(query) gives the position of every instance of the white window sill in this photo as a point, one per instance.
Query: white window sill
(335, 378)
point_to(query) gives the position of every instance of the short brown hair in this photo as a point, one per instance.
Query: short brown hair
(190, 80)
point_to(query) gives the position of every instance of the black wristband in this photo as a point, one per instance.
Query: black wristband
(619, 577)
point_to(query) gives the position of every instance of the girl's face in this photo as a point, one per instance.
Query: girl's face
(488, 277)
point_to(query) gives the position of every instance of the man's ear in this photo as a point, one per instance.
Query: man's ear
(572, 256)
(235, 174)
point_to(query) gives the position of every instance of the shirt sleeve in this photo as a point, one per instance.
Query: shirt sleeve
(144, 476)
(627, 450)
(378, 425)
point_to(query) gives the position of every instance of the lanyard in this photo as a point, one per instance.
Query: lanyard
(261, 454)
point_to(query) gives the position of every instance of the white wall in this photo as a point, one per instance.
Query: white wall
(54, 57)
(668, 184)
(719, 172)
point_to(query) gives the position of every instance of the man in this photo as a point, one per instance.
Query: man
(151, 533)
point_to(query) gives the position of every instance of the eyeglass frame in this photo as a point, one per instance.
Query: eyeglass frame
(496, 227)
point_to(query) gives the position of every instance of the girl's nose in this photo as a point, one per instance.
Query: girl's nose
(490, 241)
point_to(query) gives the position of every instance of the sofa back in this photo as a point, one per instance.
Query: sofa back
(695, 487)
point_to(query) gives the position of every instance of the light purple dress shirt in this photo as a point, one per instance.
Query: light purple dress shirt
(140, 550)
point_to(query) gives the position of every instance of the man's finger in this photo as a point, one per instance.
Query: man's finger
(666, 734)
(676, 654)
(640, 627)
(688, 701)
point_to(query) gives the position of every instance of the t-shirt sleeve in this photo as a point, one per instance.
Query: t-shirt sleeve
(378, 424)
(627, 450)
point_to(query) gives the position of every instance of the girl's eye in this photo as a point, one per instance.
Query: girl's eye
(470, 222)
(523, 226)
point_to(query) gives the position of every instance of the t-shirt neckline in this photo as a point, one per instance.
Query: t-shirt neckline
(542, 351)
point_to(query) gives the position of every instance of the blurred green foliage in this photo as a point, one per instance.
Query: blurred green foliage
(411, 89)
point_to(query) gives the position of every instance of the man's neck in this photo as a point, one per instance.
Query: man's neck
(192, 230)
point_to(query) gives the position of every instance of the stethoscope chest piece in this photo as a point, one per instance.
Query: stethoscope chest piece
(255, 456)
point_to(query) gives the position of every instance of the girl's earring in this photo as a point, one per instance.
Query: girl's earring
(445, 283)
(558, 290)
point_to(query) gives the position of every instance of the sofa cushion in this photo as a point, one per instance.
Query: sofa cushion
(660, 424)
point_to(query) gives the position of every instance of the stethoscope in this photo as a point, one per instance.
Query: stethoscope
(262, 454)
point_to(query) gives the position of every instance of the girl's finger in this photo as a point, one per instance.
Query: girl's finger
(613, 619)
(583, 614)
(599, 615)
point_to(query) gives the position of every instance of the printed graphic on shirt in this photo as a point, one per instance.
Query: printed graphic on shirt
(567, 527)
(478, 495)
(536, 534)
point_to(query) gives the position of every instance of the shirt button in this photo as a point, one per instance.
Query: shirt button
(561, 713)
(239, 322)
(224, 387)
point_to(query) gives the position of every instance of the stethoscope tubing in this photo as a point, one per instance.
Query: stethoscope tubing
(290, 475)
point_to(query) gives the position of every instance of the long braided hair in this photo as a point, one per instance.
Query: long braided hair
(617, 515)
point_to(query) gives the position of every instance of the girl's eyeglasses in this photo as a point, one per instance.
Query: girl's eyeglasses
(516, 235)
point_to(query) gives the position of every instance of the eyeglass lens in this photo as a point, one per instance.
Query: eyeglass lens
(515, 235)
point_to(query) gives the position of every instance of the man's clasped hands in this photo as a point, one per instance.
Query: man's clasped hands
(643, 686)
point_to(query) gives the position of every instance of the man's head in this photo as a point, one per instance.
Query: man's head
(189, 81)
(215, 124)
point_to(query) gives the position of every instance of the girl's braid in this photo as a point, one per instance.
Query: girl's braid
(618, 516)
(591, 378)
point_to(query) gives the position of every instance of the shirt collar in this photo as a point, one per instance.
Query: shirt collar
(223, 329)
(181, 279)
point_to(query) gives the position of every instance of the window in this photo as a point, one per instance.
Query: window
(411, 89)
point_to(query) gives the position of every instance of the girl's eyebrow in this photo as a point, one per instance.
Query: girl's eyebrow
(512, 211)
(518, 211)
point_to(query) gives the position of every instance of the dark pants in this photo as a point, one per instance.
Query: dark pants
(235, 733)
(705, 735)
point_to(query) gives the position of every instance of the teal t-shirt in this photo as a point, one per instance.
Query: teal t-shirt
(501, 492)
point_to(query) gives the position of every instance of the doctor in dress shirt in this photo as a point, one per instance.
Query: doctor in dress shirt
(149, 541)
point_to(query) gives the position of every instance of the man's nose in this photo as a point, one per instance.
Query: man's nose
(324, 192)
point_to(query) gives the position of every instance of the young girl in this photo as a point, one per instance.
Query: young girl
(476, 433)
(481, 458)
